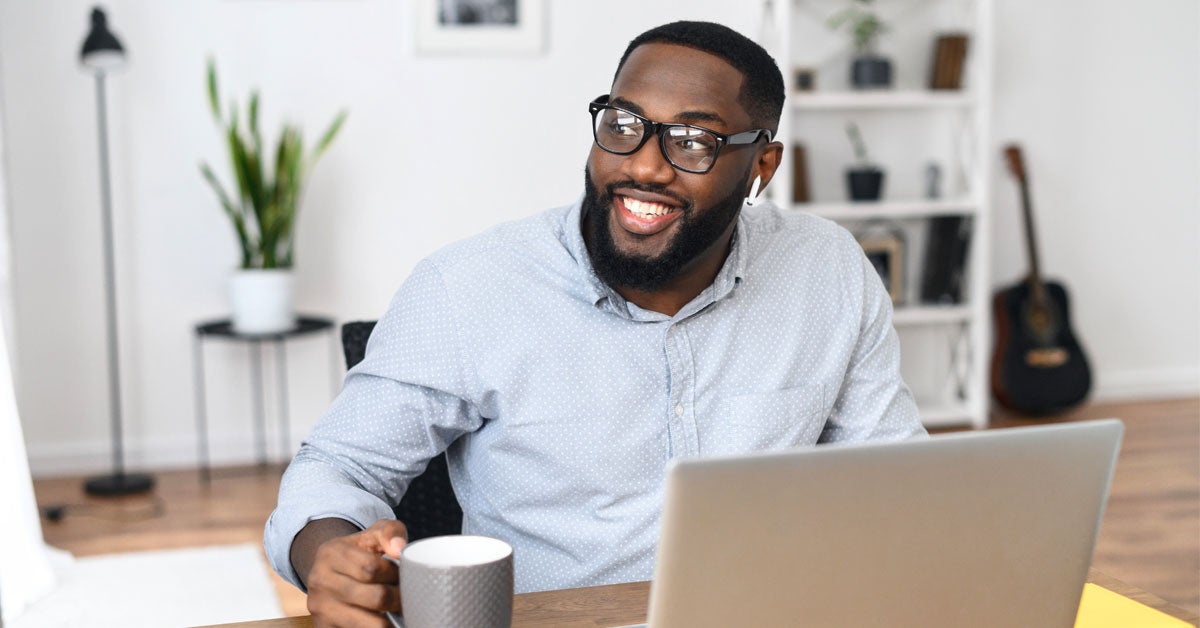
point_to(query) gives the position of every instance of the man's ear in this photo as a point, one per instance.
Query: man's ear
(766, 163)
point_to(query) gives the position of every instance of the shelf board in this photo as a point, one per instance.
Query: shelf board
(882, 99)
(945, 415)
(930, 315)
(865, 210)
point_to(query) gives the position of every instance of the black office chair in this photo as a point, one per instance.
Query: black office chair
(429, 507)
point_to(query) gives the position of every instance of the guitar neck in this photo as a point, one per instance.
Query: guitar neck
(1017, 166)
(1035, 271)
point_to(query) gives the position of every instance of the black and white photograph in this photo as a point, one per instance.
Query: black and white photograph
(480, 26)
(468, 12)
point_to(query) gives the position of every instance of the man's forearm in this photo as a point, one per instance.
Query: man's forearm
(310, 537)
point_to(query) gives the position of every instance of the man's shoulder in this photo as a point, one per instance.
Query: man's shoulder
(534, 235)
(772, 229)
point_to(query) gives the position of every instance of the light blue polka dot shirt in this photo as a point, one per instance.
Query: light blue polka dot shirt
(560, 403)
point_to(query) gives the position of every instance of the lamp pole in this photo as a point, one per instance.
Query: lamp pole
(102, 52)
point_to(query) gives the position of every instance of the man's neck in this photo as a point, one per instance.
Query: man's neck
(694, 278)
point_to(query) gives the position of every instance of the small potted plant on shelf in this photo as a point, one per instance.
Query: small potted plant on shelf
(865, 180)
(869, 70)
(263, 211)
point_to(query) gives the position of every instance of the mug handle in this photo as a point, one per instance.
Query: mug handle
(396, 619)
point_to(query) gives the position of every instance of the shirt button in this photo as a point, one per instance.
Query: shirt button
(679, 409)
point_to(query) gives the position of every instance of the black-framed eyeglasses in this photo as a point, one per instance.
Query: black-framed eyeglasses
(687, 147)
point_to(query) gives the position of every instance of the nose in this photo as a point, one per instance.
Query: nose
(649, 164)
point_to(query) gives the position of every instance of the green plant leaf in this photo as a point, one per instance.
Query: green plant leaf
(254, 122)
(330, 133)
(239, 225)
(214, 102)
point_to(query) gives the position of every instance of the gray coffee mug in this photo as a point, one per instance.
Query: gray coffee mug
(456, 582)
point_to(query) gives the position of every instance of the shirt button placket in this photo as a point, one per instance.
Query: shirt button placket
(683, 429)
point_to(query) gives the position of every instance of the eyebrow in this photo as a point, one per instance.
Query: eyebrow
(686, 116)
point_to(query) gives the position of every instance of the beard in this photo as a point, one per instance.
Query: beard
(698, 230)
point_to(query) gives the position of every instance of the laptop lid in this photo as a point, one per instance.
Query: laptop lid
(990, 528)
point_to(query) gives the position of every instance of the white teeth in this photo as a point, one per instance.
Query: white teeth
(646, 209)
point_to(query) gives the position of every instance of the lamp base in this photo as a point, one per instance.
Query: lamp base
(119, 484)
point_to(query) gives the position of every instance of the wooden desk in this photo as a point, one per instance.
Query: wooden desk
(623, 604)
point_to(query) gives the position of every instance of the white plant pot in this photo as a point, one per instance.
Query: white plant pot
(262, 301)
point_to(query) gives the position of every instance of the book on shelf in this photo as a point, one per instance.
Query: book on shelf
(949, 56)
(943, 274)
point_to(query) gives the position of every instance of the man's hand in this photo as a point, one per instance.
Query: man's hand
(350, 583)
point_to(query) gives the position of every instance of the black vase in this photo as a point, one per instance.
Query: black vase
(864, 184)
(869, 72)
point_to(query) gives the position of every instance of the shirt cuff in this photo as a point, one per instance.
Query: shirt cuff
(302, 506)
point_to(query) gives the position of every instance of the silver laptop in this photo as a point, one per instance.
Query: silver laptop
(992, 528)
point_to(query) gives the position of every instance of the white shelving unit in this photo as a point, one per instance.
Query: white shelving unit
(944, 347)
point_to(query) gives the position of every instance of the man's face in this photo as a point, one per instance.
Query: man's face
(647, 220)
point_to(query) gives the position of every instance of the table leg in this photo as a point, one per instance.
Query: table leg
(201, 409)
(256, 393)
(285, 432)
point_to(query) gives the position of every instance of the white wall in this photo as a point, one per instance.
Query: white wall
(1105, 104)
(1105, 99)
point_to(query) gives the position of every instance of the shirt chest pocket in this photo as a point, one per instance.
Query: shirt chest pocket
(771, 421)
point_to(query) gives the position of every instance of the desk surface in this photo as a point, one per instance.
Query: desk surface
(623, 604)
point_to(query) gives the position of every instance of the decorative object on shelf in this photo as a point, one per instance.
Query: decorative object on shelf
(869, 70)
(933, 181)
(805, 79)
(883, 243)
(102, 53)
(864, 182)
(263, 212)
(1038, 366)
(948, 57)
(493, 26)
(943, 273)
(799, 175)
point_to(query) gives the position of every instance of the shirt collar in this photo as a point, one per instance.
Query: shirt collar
(732, 271)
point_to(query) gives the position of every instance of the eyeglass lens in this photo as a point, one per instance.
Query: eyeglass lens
(687, 147)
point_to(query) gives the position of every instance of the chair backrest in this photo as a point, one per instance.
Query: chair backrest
(429, 506)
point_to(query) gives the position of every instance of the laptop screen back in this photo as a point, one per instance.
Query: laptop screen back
(992, 528)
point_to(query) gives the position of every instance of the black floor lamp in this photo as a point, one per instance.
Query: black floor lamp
(102, 53)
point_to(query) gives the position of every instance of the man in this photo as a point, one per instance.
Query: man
(563, 360)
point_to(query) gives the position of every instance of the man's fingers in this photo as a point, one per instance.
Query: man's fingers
(373, 597)
(386, 536)
(366, 566)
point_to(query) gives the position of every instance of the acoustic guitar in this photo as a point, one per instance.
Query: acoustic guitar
(1038, 366)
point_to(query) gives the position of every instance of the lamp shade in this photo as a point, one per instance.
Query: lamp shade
(101, 50)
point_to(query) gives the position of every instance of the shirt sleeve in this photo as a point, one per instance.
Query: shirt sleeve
(874, 403)
(405, 403)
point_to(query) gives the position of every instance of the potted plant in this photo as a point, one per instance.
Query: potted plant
(865, 180)
(263, 211)
(870, 70)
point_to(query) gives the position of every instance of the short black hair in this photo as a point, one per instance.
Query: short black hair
(762, 91)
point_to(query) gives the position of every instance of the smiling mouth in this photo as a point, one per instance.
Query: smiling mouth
(646, 209)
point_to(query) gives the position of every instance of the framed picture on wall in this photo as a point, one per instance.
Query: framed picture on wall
(886, 254)
(447, 26)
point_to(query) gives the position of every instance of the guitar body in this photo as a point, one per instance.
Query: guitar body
(1038, 365)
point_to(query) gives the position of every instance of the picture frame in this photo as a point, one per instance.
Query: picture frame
(886, 254)
(492, 26)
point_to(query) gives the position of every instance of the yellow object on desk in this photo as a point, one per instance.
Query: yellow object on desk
(1101, 608)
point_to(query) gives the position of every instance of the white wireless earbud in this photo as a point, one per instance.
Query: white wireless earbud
(752, 200)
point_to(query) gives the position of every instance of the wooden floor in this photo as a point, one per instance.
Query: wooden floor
(1150, 536)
